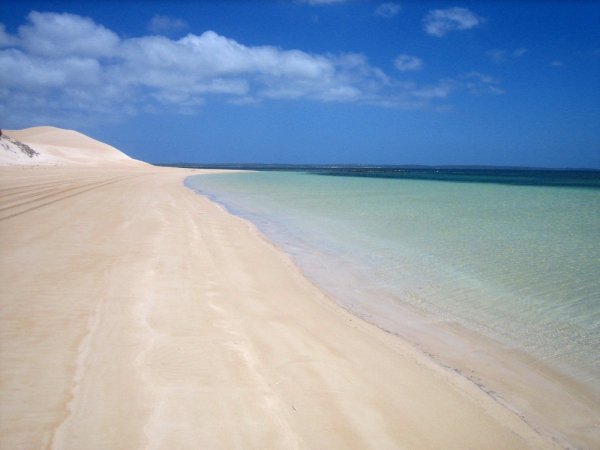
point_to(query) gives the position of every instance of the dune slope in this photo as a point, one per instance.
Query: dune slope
(56, 146)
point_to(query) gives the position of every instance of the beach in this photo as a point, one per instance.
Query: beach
(138, 314)
(496, 280)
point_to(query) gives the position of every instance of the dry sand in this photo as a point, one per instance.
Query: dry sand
(58, 147)
(138, 314)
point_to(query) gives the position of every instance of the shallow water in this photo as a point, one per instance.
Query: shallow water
(519, 264)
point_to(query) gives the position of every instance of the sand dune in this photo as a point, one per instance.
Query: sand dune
(63, 147)
(138, 314)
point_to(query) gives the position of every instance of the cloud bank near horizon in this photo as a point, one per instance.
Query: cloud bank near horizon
(68, 65)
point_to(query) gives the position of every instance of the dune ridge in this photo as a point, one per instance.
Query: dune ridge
(55, 146)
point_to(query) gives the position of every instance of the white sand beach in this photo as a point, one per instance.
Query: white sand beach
(135, 313)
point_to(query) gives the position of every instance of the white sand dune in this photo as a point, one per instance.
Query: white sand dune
(138, 314)
(56, 146)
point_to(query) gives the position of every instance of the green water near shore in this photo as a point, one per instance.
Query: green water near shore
(517, 263)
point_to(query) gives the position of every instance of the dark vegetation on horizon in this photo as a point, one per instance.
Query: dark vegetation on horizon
(523, 176)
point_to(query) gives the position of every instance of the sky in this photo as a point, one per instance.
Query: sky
(311, 81)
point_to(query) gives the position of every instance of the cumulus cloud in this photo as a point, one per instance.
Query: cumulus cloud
(5, 39)
(439, 21)
(388, 10)
(166, 24)
(65, 35)
(32, 73)
(406, 63)
(63, 65)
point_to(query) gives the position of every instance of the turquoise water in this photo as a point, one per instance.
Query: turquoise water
(519, 264)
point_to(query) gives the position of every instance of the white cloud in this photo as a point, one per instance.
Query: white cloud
(405, 63)
(56, 35)
(66, 66)
(440, 91)
(5, 39)
(500, 56)
(32, 73)
(519, 52)
(165, 24)
(480, 84)
(481, 77)
(557, 64)
(388, 10)
(439, 21)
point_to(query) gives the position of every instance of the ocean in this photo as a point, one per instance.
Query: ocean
(512, 256)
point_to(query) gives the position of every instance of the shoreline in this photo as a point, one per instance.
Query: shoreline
(557, 405)
(159, 319)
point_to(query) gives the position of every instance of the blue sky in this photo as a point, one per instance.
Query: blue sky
(486, 83)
